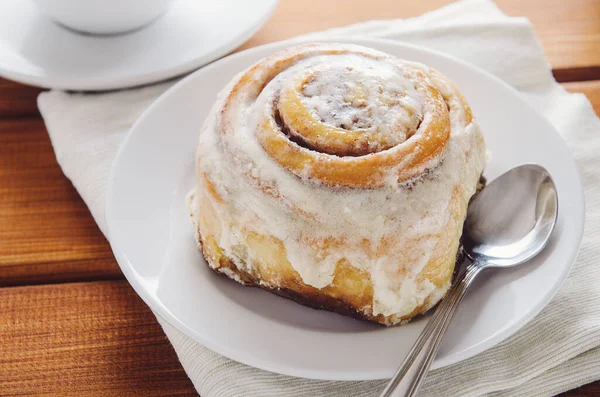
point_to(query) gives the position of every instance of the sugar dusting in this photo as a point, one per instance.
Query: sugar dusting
(399, 213)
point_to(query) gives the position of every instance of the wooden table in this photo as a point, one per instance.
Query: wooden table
(69, 322)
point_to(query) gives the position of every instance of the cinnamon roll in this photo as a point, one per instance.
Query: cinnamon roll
(338, 176)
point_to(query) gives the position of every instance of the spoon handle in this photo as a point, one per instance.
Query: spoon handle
(410, 375)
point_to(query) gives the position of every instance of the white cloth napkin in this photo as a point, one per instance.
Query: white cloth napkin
(557, 351)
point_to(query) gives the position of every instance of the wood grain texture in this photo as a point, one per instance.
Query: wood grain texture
(577, 74)
(93, 339)
(46, 231)
(84, 339)
(17, 100)
(589, 390)
(568, 30)
(98, 338)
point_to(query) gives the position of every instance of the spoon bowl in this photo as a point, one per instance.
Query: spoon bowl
(510, 221)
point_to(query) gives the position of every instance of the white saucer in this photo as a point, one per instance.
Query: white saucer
(34, 50)
(153, 239)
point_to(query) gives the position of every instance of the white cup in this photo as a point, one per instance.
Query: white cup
(103, 16)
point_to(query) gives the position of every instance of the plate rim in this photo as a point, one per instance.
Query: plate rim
(103, 84)
(337, 376)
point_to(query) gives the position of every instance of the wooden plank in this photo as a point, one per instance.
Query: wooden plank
(46, 230)
(17, 100)
(92, 339)
(576, 74)
(85, 339)
(568, 30)
(589, 390)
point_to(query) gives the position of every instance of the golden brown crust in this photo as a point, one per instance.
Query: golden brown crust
(296, 290)
(306, 295)
(313, 299)
(351, 291)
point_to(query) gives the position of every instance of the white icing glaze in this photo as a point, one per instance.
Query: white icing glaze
(414, 214)
(369, 95)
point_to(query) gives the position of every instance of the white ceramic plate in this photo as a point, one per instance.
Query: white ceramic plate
(36, 51)
(153, 241)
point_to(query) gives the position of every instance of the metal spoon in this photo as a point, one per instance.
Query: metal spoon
(508, 223)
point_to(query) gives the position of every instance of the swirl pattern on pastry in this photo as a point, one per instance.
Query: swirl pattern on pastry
(338, 176)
